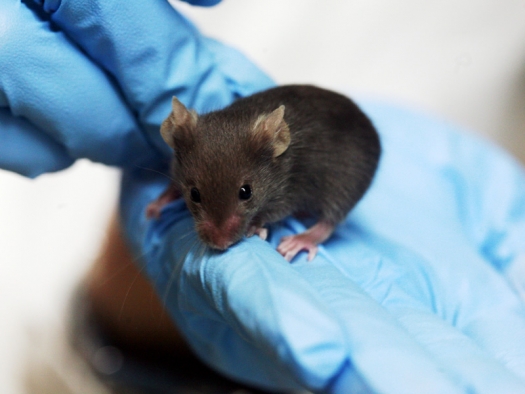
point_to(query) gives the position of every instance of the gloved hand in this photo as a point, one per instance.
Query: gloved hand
(96, 81)
(409, 294)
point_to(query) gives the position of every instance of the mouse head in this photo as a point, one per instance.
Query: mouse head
(227, 163)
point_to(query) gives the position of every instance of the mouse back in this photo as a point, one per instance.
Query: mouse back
(333, 153)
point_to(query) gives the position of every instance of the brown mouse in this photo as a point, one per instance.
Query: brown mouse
(287, 150)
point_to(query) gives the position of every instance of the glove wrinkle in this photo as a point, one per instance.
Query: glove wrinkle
(28, 151)
(48, 81)
(106, 32)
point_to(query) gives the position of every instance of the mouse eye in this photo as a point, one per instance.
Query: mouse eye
(195, 195)
(245, 192)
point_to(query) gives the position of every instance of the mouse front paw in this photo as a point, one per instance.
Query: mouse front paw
(262, 232)
(170, 194)
(293, 244)
(153, 209)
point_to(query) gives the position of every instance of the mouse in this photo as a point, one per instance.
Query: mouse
(290, 150)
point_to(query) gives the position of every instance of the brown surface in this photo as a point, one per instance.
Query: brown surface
(125, 304)
(132, 316)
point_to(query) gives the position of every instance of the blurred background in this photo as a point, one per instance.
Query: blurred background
(461, 60)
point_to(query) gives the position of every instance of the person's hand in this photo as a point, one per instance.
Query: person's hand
(95, 80)
(408, 296)
(403, 297)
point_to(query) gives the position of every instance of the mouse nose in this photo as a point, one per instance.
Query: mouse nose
(218, 239)
(222, 243)
(221, 236)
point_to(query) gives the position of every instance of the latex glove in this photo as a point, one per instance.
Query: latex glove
(365, 320)
(407, 296)
(95, 80)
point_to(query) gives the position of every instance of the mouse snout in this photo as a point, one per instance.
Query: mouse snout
(223, 235)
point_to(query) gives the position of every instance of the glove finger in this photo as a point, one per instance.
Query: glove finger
(476, 347)
(249, 301)
(170, 58)
(51, 83)
(28, 151)
(381, 348)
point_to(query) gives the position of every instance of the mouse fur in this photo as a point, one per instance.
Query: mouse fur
(300, 149)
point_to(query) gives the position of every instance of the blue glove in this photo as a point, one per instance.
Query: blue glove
(96, 81)
(409, 295)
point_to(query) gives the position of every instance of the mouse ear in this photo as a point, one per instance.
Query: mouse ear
(272, 127)
(179, 125)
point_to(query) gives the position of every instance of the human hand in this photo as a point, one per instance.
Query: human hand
(96, 80)
(407, 301)
(409, 295)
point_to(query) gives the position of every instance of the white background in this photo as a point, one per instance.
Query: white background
(461, 60)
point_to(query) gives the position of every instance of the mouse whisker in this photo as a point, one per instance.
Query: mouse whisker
(157, 172)
(137, 275)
